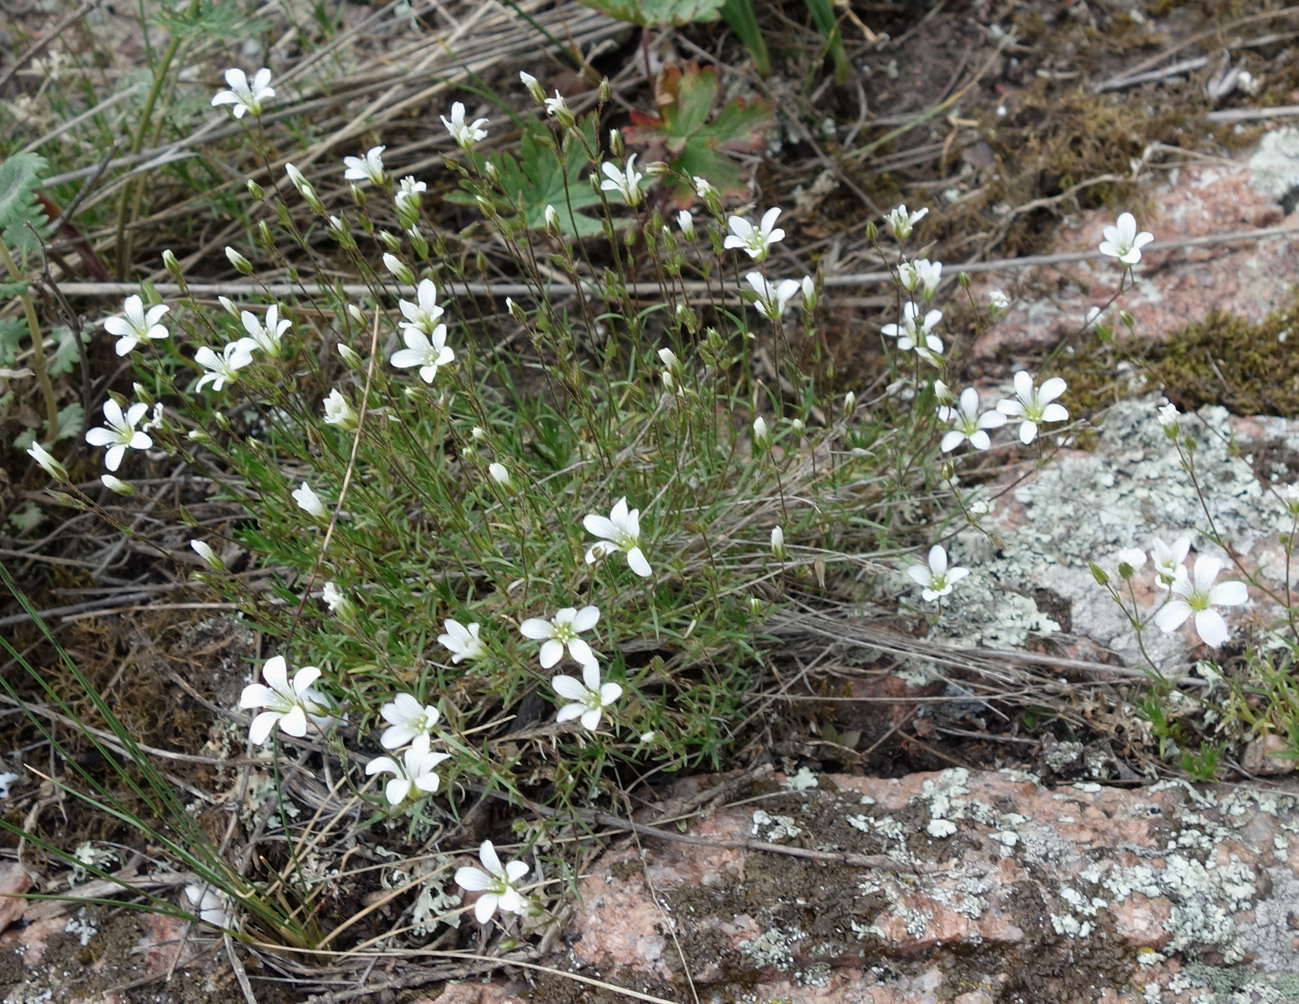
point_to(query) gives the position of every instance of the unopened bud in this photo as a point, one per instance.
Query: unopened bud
(389, 240)
(500, 475)
(349, 356)
(534, 88)
(778, 543)
(399, 269)
(170, 263)
(241, 264)
(114, 484)
(616, 145)
(605, 91)
(255, 190)
(552, 221)
(264, 236)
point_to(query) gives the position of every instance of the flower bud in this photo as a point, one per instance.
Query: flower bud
(478, 433)
(963, 280)
(552, 221)
(356, 314)
(605, 91)
(687, 224)
(399, 269)
(418, 243)
(778, 543)
(389, 240)
(117, 485)
(761, 436)
(241, 264)
(358, 195)
(51, 466)
(172, 266)
(349, 356)
(208, 555)
(849, 402)
(255, 190)
(872, 232)
(810, 295)
(490, 172)
(516, 311)
(534, 88)
(1101, 576)
(500, 475)
(264, 236)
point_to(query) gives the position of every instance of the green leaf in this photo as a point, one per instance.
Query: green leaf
(66, 354)
(682, 134)
(537, 179)
(659, 13)
(20, 176)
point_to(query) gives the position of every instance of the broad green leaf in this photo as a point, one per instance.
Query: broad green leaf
(537, 179)
(683, 135)
(659, 13)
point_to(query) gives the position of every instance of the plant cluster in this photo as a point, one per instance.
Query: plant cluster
(429, 484)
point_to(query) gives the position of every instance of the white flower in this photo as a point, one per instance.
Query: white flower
(309, 501)
(771, 300)
(337, 601)
(1133, 557)
(588, 696)
(428, 352)
(921, 273)
(500, 474)
(998, 302)
(626, 182)
(423, 314)
(915, 332)
(754, 241)
(209, 556)
(1168, 560)
(209, 903)
(703, 187)
(1167, 416)
(560, 631)
(409, 195)
(465, 134)
(1123, 242)
(778, 543)
(367, 168)
(289, 704)
(1197, 594)
(967, 423)
(687, 224)
(417, 770)
(407, 719)
(936, 578)
(222, 369)
(245, 97)
(136, 324)
(119, 433)
(155, 417)
(761, 435)
(620, 531)
(51, 466)
(265, 336)
(810, 295)
(462, 640)
(1033, 405)
(558, 108)
(900, 223)
(339, 411)
(497, 885)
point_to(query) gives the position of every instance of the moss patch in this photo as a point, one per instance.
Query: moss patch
(1249, 369)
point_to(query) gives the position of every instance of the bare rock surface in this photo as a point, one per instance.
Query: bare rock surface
(1000, 889)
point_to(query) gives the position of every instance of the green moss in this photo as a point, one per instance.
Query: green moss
(1250, 369)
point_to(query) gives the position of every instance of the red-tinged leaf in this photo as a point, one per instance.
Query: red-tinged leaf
(683, 135)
